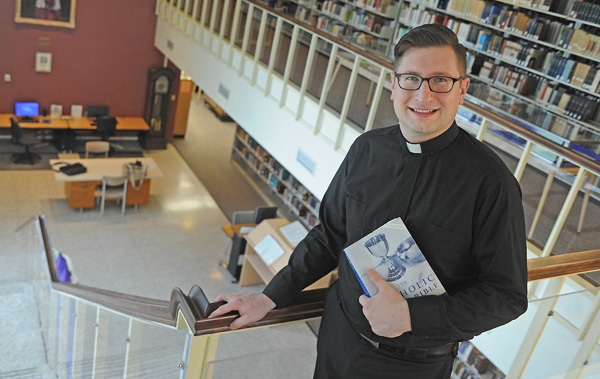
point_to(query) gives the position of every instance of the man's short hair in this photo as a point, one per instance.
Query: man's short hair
(431, 35)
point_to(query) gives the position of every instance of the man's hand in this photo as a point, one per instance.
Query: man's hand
(387, 311)
(251, 307)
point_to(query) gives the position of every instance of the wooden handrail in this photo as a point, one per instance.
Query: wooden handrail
(571, 155)
(195, 306)
(563, 264)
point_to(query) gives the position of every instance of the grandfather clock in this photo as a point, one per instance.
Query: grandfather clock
(158, 104)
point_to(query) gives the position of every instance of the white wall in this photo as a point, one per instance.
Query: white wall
(273, 127)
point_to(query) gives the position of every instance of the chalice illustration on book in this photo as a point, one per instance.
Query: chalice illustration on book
(391, 268)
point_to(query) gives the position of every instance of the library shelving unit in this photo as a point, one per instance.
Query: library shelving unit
(472, 364)
(536, 61)
(277, 181)
(365, 23)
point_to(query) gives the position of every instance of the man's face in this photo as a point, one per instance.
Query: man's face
(424, 114)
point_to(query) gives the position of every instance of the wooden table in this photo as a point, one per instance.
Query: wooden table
(80, 189)
(123, 123)
(78, 123)
(43, 122)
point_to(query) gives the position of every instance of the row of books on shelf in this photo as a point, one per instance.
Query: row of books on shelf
(578, 106)
(274, 173)
(353, 16)
(472, 364)
(380, 6)
(522, 23)
(578, 9)
(525, 111)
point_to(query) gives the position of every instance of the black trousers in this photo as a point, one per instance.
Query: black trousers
(344, 354)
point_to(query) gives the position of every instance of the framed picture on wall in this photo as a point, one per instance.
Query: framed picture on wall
(43, 62)
(59, 13)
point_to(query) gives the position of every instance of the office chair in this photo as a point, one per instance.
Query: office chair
(106, 127)
(113, 188)
(25, 139)
(97, 147)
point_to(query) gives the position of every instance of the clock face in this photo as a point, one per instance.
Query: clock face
(162, 85)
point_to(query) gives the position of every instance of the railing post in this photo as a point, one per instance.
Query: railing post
(234, 30)
(246, 40)
(482, 129)
(536, 328)
(376, 99)
(201, 352)
(259, 45)
(306, 75)
(289, 64)
(564, 212)
(332, 67)
(273, 55)
(520, 169)
(347, 101)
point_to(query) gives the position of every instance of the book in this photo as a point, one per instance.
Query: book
(392, 252)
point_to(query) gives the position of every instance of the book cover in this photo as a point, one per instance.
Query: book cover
(392, 252)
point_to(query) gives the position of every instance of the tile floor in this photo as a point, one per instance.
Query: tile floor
(174, 241)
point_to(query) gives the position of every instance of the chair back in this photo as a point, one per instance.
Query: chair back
(97, 147)
(106, 126)
(15, 130)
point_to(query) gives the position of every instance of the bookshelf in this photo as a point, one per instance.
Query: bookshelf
(534, 60)
(366, 23)
(472, 364)
(275, 180)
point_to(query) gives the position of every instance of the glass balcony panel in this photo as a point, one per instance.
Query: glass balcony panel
(562, 312)
(284, 351)
(339, 81)
(300, 56)
(319, 64)
(198, 14)
(254, 30)
(284, 47)
(241, 24)
(207, 18)
(155, 351)
(385, 115)
(229, 20)
(269, 36)
(219, 16)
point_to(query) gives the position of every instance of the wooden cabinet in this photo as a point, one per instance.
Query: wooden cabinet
(81, 194)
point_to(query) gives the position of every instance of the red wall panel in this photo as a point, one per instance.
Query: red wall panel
(104, 60)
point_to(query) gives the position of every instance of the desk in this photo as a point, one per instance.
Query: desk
(43, 122)
(80, 190)
(136, 124)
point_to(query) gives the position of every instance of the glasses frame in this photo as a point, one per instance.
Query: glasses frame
(454, 80)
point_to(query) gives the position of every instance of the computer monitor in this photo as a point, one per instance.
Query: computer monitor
(95, 111)
(25, 110)
(263, 213)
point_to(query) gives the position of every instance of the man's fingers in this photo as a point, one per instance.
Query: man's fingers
(225, 308)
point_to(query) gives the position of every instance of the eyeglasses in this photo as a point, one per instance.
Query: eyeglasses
(439, 84)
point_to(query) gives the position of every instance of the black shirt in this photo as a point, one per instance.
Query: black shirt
(462, 206)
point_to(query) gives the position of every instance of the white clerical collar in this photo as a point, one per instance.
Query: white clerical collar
(414, 148)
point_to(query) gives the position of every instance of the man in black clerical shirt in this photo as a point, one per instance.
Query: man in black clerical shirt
(458, 200)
